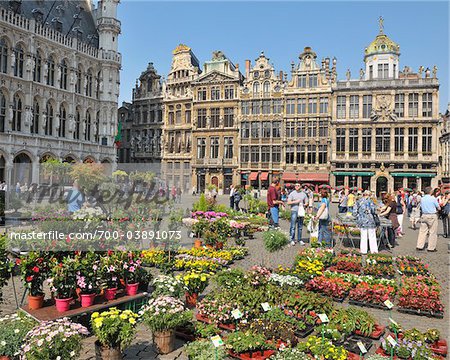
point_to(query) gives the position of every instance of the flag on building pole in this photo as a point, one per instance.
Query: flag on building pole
(118, 137)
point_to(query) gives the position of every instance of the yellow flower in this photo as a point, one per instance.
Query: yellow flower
(132, 321)
(123, 316)
(95, 315)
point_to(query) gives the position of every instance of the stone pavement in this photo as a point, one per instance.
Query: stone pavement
(439, 265)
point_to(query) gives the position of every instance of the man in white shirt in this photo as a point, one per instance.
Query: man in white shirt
(298, 200)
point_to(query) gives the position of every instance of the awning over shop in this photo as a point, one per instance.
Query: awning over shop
(264, 176)
(405, 174)
(356, 173)
(253, 176)
(302, 177)
(289, 177)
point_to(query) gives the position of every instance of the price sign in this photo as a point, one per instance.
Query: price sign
(391, 340)
(236, 314)
(361, 346)
(393, 322)
(399, 272)
(323, 318)
(217, 341)
(389, 304)
(265, 306)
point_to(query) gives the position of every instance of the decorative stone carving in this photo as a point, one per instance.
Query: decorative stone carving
(361, 74)
(348, 74)
(435, 72)
(44, 120)
(383, 109)
(57, 122)
(28, 116)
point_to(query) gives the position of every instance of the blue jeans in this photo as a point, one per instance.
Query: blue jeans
(295, 219)
(324, 232)
(274, 212)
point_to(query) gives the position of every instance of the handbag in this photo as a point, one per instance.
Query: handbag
(324, 215)
(301, 211)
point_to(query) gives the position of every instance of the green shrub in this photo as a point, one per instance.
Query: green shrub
(201, 204)
(205, 350)
(275, 240)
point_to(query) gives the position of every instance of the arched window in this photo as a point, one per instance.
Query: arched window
(78, 84)
(63, 79)
(36, 113)
(97, 89)
(49, 124)
(256, 87)
(62, 121)
(3, 56)
(266, 88)
(2, 112)
(50, 71)
(17, 114)
(97, 127)
(87, 134)
(18, 65)
(89, 83)
(149, 85)
(37, 71)
(76, 134)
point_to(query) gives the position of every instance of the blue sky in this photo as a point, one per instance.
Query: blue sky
(152, 29)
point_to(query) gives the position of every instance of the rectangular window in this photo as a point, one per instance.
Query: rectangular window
(215, 93)
(255, 129)
(313, 80)
(354, 107)
(427, 105)
(245, 130)
(413, 140)
(399, 141)
(276, 129)
(312, 105)
(413, 105)
(276, 154)
(383, 71)
(290, 129)
(323, 105)
(266, 107)
(177, 117)
(301, 106)
(245, 154)
(302, 81)
(228, 120)
(214, 147)
(265, 154)
(201, 148)
(353, 140)
(366, 140)
(370, 72)
(254, 154)
(228, 147)
(301, 128)
(312, 154)
(277, 106)
(201, 94)
(229, 92)
(427, 140)
(289, 154)
(301, 154)
(201, 118)
(187, 115)
(323, 156)
(266, 129)
(215, 118)
(323, 128)
(340, 107)
(256, 109)
(312, 128)
(383, 140)
(245, 110)
(340, 140)
(399, 107)
(290, 106)
(367, 106)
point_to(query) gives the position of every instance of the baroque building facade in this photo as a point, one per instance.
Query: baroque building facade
(59, 84)
(385, 123)
(444, 141)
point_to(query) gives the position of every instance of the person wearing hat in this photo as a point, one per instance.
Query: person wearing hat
(298, 200)
(364, 211)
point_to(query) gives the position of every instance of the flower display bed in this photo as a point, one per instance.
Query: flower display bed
(350, 344)
(376, 334)
(257, 355)
(206, 320)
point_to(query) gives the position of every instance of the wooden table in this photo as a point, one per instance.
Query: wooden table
(49, 312)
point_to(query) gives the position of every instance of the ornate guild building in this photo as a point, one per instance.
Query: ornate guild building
(59, 84)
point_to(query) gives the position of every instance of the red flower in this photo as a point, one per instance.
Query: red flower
(35, 269)
(18, 261)
(29, 278)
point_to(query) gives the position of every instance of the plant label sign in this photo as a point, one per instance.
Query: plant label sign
(389, 304)
(236, 314)
(323, 318)
(265, 306)
(361, 346)
(393, 322)
(217, 341)
(391, 340)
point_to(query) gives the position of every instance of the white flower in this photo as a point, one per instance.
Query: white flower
(16, 331)
(3, 343)
(72, 353)
(58, 357)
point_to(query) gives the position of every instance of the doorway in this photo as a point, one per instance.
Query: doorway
(382, 185)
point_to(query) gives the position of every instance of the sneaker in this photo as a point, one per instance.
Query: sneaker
(302, 243)
(292, 243)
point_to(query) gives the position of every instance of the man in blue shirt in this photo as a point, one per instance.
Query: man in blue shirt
(75, 198)
(429, 221)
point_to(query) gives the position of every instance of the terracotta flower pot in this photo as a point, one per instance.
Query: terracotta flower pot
(87, 299)
(209, 246)
(164, 341)
(198, 244)
(4, 357)
(219, 245)
(106, 353)
(131, 289)
(63, 305)
(110, 294)
(191, 299)
(35, 302)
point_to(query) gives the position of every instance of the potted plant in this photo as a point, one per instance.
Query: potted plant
(34, 270)
(5, 264)
(194, 284)
(63, 282)
(291, 354)
(87, 278)
(275, 240)
(14, 329)
(110, 267)
(205, 350)
(244, 345)
(131, 267)
(167, 285)
(115, 330)
(162, 315)
(63, 335)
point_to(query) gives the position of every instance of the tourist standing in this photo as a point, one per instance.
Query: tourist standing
(323, 215)
(75, 198)
(237, 197)
(414, 202)
(444, 203)
(350, 201)
(232, 196)
(273, 202)
(401, 208)
(390, 212)
(298, 201)
(343, 202)
(429, 222)
(364, 212)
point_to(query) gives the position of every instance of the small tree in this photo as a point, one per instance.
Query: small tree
(88, 175)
